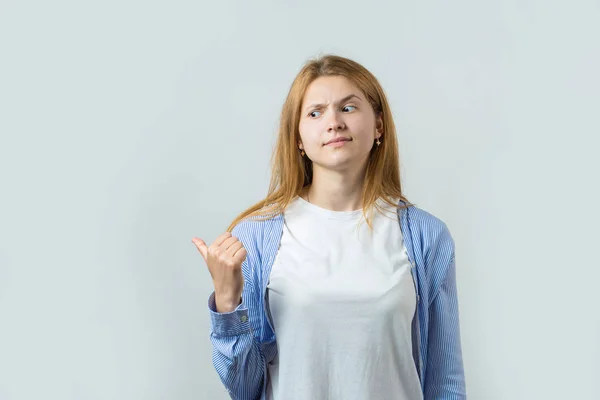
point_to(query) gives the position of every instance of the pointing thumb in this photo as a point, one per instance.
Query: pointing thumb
(201, 246)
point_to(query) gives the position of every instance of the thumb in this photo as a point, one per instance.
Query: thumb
(201, 246)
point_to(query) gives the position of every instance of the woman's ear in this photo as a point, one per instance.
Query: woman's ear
(379, 124)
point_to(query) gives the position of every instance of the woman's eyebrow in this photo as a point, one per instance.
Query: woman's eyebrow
(343, 100)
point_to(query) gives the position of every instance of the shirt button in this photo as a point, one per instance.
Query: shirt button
(244, 318)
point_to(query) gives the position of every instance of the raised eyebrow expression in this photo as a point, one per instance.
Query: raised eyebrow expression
(341, 101)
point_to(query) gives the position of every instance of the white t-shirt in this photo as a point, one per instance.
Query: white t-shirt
(342, 302)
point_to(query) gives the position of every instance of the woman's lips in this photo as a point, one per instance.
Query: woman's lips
(338, 143)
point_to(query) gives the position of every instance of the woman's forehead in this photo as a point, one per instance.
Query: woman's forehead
(331, 89)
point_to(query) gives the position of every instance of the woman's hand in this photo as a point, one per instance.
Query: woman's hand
(224, 259)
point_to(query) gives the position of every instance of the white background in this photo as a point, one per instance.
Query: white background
(129, 127)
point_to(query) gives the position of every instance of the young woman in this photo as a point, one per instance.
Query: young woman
(311, 304)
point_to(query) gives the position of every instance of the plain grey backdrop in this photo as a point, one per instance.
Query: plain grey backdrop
(127, 127)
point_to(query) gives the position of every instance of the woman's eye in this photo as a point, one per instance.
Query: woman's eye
(350, 106)
(313, 112)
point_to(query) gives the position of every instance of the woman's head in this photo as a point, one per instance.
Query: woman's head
(317, 109)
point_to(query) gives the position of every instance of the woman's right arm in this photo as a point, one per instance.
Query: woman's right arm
(237, 354)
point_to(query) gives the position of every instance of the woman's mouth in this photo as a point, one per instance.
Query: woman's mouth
(338, 142)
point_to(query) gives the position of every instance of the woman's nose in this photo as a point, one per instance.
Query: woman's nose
(335, 122)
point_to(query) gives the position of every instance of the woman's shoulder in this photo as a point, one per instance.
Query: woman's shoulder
(433, 237)
(251, 230)
(426, 221)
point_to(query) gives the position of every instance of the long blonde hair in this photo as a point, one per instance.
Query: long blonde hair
(290, 172)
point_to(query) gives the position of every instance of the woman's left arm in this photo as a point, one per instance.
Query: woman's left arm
(445, 373)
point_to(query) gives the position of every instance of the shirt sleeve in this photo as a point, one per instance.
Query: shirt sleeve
(445, 373)
(237, 353)
(228, 323)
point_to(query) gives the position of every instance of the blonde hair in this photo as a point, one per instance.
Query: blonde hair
(290, 172)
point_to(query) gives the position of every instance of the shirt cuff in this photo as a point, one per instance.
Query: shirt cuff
(231, 323)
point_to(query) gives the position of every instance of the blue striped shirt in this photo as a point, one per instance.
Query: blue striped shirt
(244, 341)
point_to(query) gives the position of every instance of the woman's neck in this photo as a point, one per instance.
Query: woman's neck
(335, 199)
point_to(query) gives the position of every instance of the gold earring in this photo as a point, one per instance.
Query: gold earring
(378, 142)
(302, 152)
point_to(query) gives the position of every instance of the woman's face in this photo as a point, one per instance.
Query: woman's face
(334, 108)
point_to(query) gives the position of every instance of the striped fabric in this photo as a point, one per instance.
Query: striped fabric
(244, 342)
